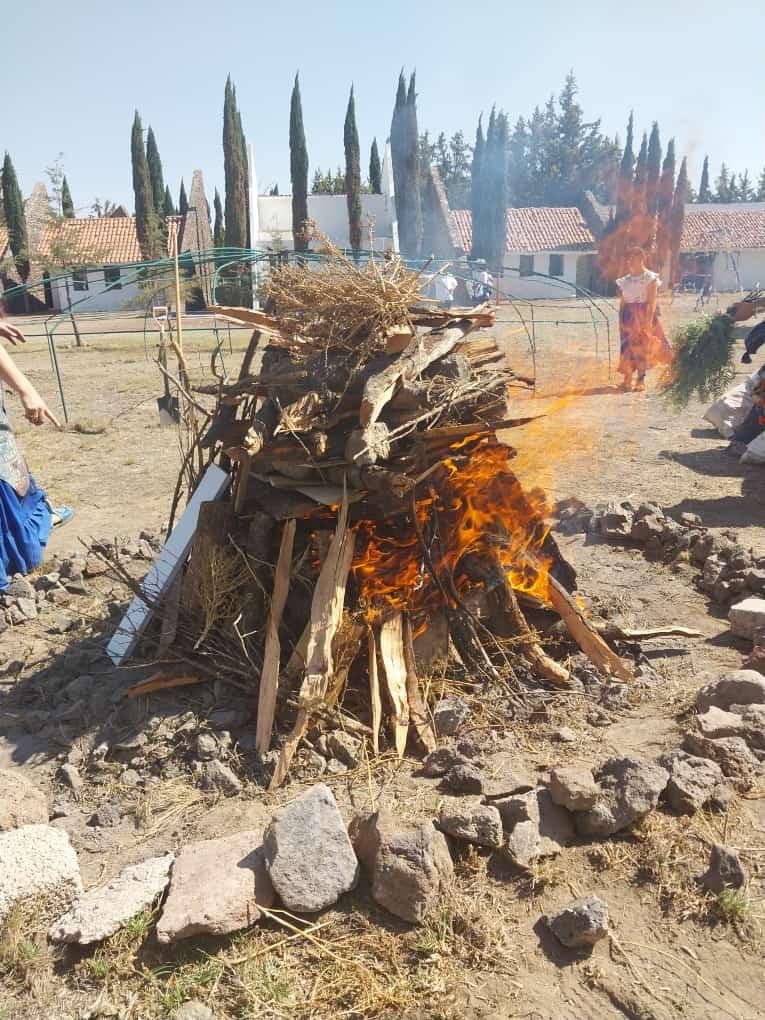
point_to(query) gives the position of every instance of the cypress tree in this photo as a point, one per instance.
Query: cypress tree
(245, 175)
(705, 192)
(67, 205)
(722, 186)
(235, 190)
(168, 209)
(677, 219)
(398, 148)
(375, 170)
(15, 220)
(352, 173)
(145, 223)
(413, 168)
(183, 202)
(639, 182)
(298, 170)
(218, 231)
(495, 177)
(653, 171)
(626, 169)
(760, 196)
(476, 185)
(664, 204)
(155, 173)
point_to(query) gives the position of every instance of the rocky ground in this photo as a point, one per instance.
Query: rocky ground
(596, 853)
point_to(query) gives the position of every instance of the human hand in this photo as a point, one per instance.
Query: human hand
(35, 408)
(12, 333)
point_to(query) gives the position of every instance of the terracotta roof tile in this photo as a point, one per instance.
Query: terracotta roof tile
(103, 241)
(723, 227)
(532, 230)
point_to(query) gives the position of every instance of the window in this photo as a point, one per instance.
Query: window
(112, 277)
(80, 279)
(526, 265)
(556, 265)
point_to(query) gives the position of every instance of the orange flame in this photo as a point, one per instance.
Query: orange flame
(475, 505)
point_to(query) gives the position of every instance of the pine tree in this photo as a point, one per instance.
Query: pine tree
(352, 173)
(733, 189)
(234, 172)
(476, 188)
(639, 182)
(219, 238)
(145, 221)
(168, 209)
(298, 170)
(155, 173)
(705, 192)
(677, 219)
(375, 170)
(745, 189)
(653, 171)
(67, 205)
(722, 186)
(761, 187)
(15, 220)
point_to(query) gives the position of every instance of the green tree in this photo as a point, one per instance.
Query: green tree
(298, 170)
(145, 221)
(219, 235)
(664, 204)
(745, 189)
(352, 172)
(183, 202)
(639, 182)
(722, 186)
(677, 219)
(67, 205)
(495, 185)
(761, 187)
(653, 171)
(705, 192)
(168, 209)
(405, 140)
(234, 171)
(733, 191)
(626, 174)
(476, 191)
(15, 221)
(375, 170)
(155, 174)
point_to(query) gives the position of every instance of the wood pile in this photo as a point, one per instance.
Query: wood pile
(372, 514)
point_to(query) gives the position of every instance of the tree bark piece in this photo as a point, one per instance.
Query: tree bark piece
(326, 613)
(269, 675)
(588, 639)
(374, 690)
(394, 672)
(543, 665)
(417, 709)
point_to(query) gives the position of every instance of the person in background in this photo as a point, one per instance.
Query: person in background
(482, 285)
(26, 516)
(446, 284)
(643, 342)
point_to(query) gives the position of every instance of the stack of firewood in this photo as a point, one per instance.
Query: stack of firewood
(372, 505)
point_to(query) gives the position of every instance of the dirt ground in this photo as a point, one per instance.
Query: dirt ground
(673, 953)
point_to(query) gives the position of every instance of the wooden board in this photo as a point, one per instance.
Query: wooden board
(374, 690)
(394, 673)
(417, 708)
(166, 567)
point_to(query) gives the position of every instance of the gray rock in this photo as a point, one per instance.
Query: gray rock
(61, 623)
(464, 779)
(616, 522)
(471, 822)
(573, 788)
(503, 777)
(747, 616)
(206, 746)
(106, 817)
(38, 861)
(755, 580)
(746, 721)
(217, 776)
(193, 1010)
(26, 607)
(689, 520)
(535, 825)
(580, 923)
(647, 527)
(630, 788)
(71, 776)
(406, 862)
(58, 597)
(308, 853)
(739, 687)
(344, 747)
(102, 911)
(564, 735)
(227, 718)
(440, 761)
(130, 778)
(44, 582)
(732, 755)
(725, 870)
(449, 714)
(694, 783)
(94, 566)
(216, 886)
(20, 588)
(21, 803)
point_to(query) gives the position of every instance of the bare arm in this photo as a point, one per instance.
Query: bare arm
(35, 408)
(652, 292)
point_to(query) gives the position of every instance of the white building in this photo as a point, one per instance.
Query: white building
(549, 251)
(724, 244)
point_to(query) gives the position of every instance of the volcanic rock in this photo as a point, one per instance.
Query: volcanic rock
(217, 776)
(739, 687)
(732, 755)
(439, 762)
(747, 617)
(471, 822)
(645, 528)
(106, 817)
(216, 886)
(466, 778)
(580, 923)
(101, 912)
(406, 862)
(573, 788)
(21, 803)
(38, 861)
(630, 788)
(616, 521)
(725, 870)
(344, 747)
(505, 777)
(193, 1010)
(694, 783)
(449, 714)
(308, 853)
(71, 777)
(536, 826)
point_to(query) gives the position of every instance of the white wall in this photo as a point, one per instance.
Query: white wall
(530, 287)
(751, 270)
(98, 299)
(330, 214)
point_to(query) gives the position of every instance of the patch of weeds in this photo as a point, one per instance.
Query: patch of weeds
(268, 981)
(24, 952)
(733, 906)
(177, 984)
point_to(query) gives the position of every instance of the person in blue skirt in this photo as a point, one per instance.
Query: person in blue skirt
(26, 516)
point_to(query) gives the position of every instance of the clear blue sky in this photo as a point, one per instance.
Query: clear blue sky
(73, 73)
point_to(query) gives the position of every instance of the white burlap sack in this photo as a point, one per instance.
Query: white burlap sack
(727, 413)
(755, 451)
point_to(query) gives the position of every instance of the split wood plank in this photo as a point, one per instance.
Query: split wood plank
(251, 316)
(326, 613)
(588, 639)
(166, 567)
(394, 672)
(374, 690)
(542, 664)
(269, 674)
(417, 709)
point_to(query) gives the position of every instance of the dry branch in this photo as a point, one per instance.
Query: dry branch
(269, 675)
